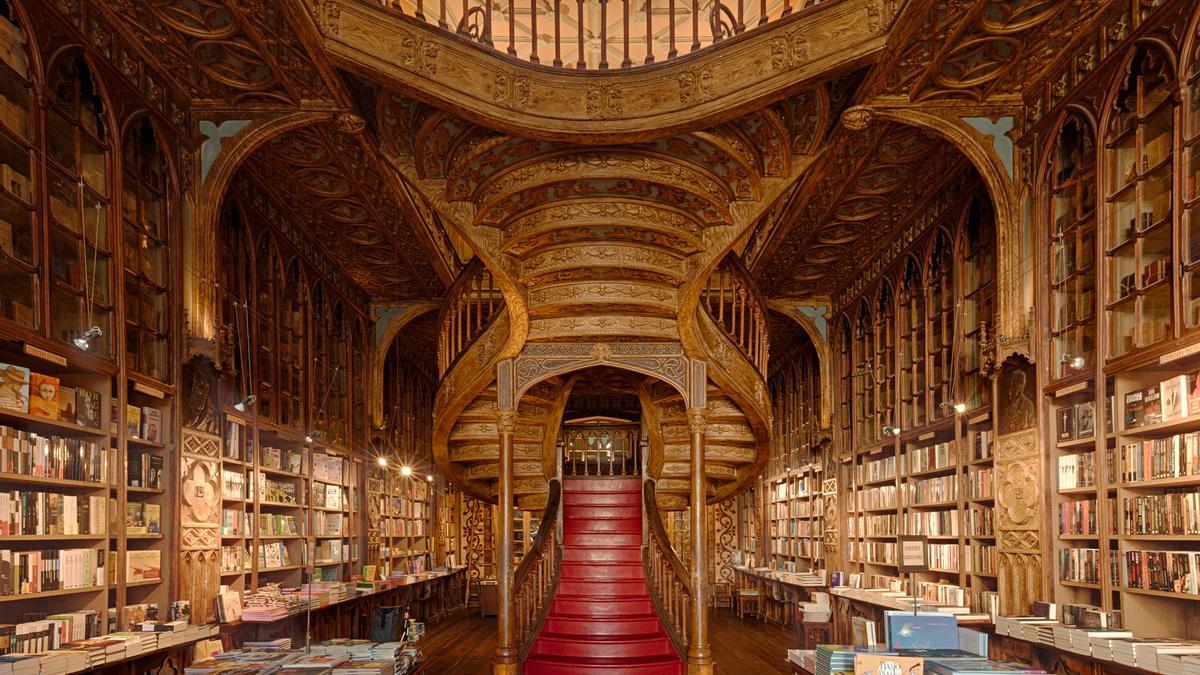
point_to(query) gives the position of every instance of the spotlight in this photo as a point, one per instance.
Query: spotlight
(84, 341)
(1075, 362)
(310, 436)
(382, 461)
(244, 404)
(891, 431)
(429, 478)
(406, 471)
(959, 407)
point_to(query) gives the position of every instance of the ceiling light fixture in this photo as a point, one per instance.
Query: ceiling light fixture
(406, 471)
(429, 478)
(382, 461)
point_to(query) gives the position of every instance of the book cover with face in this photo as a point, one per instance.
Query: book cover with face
(14, 388)
(43, 395)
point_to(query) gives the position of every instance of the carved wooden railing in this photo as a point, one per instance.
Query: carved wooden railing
(624, 33)
(472, 303)
(735, 304)
(601, 450)
(667, 577)
(536, 578)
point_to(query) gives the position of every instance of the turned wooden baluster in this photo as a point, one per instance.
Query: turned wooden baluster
(512, 28)
(672, 52)
(762, 12)
(603, 34)
(533, 55)
(649, 34)
(557, 34)
(695, 25)
(581, 62)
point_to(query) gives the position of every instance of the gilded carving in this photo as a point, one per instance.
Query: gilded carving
(857, 118)
(511, 90)
(200, 492)
(328, 15)
(789, 51)
(604, 101)
(695, 85)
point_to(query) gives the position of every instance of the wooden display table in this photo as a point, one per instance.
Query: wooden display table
(777, 599)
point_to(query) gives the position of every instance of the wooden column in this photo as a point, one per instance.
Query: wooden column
(507, 656)
(699, 654)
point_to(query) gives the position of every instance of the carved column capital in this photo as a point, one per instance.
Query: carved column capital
(697, 420)
(506, 421)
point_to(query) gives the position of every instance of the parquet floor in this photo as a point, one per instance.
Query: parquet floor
(463, 645)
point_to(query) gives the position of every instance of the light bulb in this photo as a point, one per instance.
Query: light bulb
(84, 341)
(429, 478)
(406, 471)
(382, 461)
(960, 408)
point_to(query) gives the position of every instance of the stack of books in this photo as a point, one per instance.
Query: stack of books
(805, 659)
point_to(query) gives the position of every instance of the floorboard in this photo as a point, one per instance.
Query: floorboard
(463, 644)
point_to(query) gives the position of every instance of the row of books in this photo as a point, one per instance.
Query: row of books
(279, 491)
(984, 560)
(400, 507)
(233, 484)
(932, 523)
(1076, 421)
(40, 395)
(328, 524)
(281, 459)
(1173, 457)
(235, 523)
(329, 469)
(273, 554)
(877, 469)
(24, 572)
(142, 518)
(277, 525)
(1166, 401)
(1174, 513)
(1079, 565)
(882, 497)
(795, 508)
(402, 527)
(1167, 571)
(944, 557)
(1080, 517)
(980, 484)
(31, 637)
(143, 423)
(234, 558)
(26, 453)
(49, 513)
(937, 456)
(329, 496)
(931, 490)
(1077, 471)
(881, 525)
(144, 469)
(980, 521)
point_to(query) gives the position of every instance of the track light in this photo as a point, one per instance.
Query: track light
(244, 404)
(1075, 362)
(310, 436)
(406, 471)
(891, 431)
(84, 341)
(382, 462)
(959, 407)
(429, 477)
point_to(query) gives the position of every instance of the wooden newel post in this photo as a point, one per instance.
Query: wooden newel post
(507, 657)
(699, 656)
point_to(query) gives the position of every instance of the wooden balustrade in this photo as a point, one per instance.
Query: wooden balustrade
(471, 304)
(666, 576)
(587, 34)
(733, 301)
(536, 578)
(601, 450)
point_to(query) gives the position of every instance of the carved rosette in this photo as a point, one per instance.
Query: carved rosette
(200, 521)
(1019, 520)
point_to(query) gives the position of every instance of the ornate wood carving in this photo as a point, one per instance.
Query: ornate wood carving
(1019, 520)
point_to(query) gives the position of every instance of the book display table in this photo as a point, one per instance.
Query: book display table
(779, 593)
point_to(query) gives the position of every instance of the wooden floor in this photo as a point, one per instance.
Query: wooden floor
(462, 645)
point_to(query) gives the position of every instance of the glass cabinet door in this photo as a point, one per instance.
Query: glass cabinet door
(18, 243)
(1072, 204)
(1190, 184)
(145, 247)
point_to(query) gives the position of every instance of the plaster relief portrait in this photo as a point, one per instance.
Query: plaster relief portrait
(1017, 395)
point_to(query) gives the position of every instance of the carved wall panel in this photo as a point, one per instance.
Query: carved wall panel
(477, 530)
(199, 521)
(199, 582)
(723, 537)
(1019, 521)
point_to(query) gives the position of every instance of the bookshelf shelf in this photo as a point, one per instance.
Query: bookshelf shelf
(51, 594)
(52, 482)
(143, 584)
(54, 537)
(152, 445)
(46, 425)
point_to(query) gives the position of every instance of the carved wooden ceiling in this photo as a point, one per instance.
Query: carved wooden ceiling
(634, 213)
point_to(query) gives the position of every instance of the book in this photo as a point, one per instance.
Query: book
(151, 424)
(66, 404)
(1065, 427)
(863, 630)
(43, 396)
(1193, 392)
(87, 408)
(154, 470)
(228, 606)
(153, 517)
(886, 664)
(1152, 405)
(14, 388)
(921, 630)
(135, 519)
(1133, 409)
(1085, 419)
(133, 421)
(1174, 397)
(143, 566)
(1110, 409)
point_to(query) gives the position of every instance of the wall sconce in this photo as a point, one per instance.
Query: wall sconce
(84, 341)
(244, 404)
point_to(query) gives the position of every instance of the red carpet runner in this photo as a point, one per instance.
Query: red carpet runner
(601, 619)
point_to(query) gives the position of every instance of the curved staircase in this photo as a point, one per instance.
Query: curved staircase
(602, 620)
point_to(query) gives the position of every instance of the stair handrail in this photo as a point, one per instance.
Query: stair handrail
(734, 302)
(666, 576)
(536, 578)
(471, 303)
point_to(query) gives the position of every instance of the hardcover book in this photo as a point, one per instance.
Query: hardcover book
(151, 424)
(133, 421)
(1085, 420)
(14, 388)
(66, 404)
(1133, 409)
(921, 630)
(87, 408)
(1066, 423)
(143, 566)
(43, 396)
(1174, 397)
(153, 519)
(1193, 392)
(1152, 412)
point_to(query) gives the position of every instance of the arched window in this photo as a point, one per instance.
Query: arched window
(864, 352)
(912, 346)
(77, 175)
(292, 352)
(237, 288)
(1138, 241)
(978, 237)
(1072, 203)
(268, 288)
(1191, 193)
(147, 250)
(940, 313)
(885, 358)
(19, 242)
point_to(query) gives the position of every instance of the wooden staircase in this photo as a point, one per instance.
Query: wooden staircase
(602, 619)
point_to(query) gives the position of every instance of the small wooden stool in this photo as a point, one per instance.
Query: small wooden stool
(815, 633)
(747, 602)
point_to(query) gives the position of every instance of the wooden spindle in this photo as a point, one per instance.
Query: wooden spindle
(557, 33)
(512, 27)
(762, 12)
(533, 12)
(672, 52)
(462, 19)
(420, 10)
(740, 16)
(442, 15)
(487, 23)
(580, 62)
(696, 25)
(603, 34)
(649, 34)
(626, 62)
(787, 8)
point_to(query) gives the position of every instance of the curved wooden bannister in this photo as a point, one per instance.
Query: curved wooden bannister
(735, 304)
(472, 302)
(536, 578)
(596, 34)
(667, 577)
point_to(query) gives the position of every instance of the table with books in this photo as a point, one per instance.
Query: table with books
(341, 656)
(779, 592)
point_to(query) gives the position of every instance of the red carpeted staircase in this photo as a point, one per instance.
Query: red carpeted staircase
(601, 619)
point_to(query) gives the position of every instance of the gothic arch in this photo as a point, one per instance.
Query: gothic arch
(820, 340)
(383, 341)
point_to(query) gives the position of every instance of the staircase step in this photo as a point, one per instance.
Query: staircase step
(596, 555)
(600, 608)
(603, 512)
(593, 626)
(602, 539)
(603, 589)
(633, 485)
(601, 499)
(622, 525)
(548, 665)
(628, 646)
(602, 571)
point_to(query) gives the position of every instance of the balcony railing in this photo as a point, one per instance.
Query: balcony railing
(733, 301)
(597, 34)
(536, 579)
(471, 304)
(601, 450)
(667, 578)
